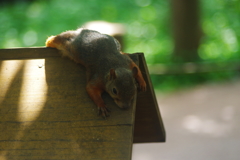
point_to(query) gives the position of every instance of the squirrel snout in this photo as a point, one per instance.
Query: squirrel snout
(123, 105)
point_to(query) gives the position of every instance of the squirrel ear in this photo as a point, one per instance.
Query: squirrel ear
(135, 71)
(112, 74)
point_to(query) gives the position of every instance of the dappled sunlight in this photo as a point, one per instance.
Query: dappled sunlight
(230, 39)
(30, 38)
(11, 39)
(2, 156)
(143, 3)
(22, 98)
(106, 27)
(228, 113)
(34, 10)
(210, 126)
(192, 123)
(142, 156)
(9, 68)
(33, 87)
(34, 90)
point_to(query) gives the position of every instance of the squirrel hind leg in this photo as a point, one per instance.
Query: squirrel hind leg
(58, 43)
(55, 42)
(50, 42)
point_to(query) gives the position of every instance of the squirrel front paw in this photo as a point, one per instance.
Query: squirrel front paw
(104, 111)
(142, 86)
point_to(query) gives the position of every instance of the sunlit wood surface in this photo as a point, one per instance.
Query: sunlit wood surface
(45, 113)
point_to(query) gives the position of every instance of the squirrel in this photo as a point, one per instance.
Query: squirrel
(107, 67)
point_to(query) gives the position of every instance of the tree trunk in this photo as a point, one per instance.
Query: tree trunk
(186, 30)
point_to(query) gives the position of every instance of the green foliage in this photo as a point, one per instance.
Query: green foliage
(220, 22)
(147, 23)
(170, 83)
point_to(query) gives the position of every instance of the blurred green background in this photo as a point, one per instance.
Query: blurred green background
(148, 29)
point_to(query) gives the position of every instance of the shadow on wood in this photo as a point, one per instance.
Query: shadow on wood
(45, 112)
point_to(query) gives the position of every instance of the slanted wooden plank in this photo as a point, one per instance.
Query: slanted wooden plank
(45, 112)
(148, 122)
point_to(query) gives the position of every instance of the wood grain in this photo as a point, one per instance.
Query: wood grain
(148, 121)
(45, 112)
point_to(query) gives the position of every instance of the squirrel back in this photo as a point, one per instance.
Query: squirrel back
(108, 69)
(85, 46)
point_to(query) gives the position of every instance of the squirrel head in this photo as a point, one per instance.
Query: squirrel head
(121, 86)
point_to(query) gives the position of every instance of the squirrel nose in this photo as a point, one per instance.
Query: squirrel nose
(123, 105)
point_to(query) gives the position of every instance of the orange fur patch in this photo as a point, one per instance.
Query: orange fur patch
(50, 42)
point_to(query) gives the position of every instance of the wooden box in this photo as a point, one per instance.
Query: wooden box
(45, 112)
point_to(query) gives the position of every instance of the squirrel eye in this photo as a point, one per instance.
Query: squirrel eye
(114, 90)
